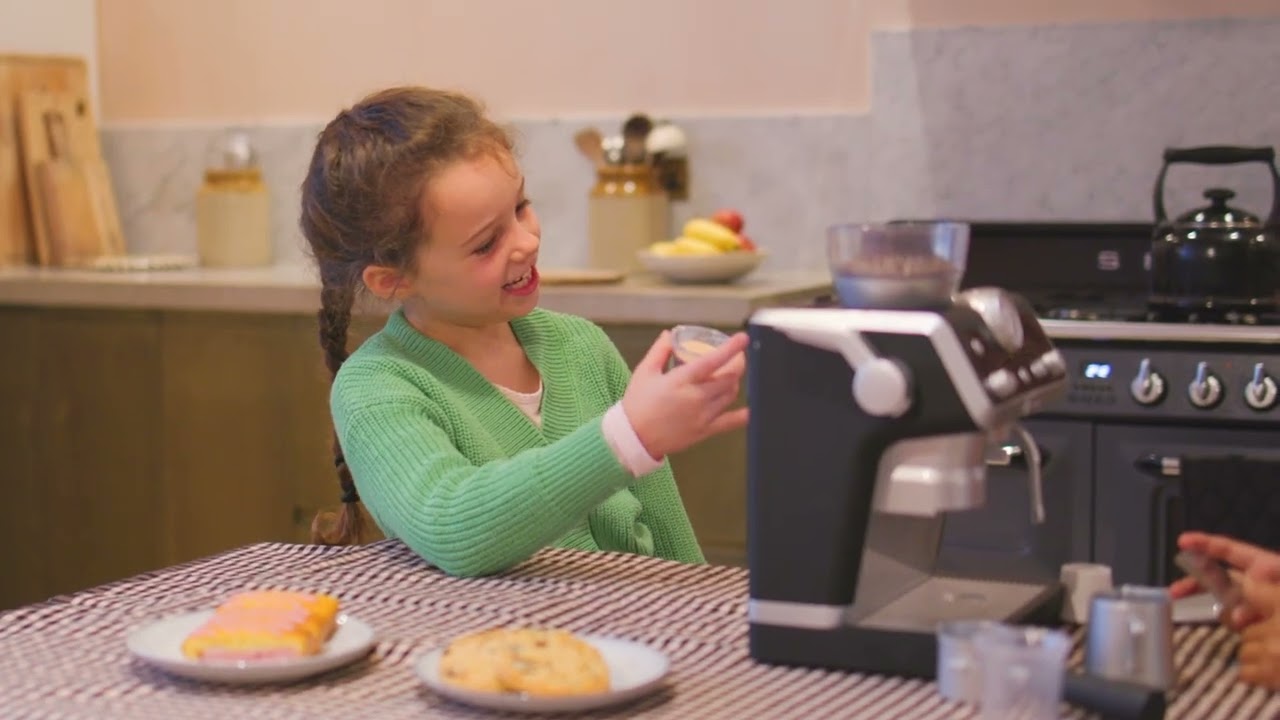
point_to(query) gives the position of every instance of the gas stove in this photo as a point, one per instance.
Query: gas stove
(1132, 363)
(1155, 399)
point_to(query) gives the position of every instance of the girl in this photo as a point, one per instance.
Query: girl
(476, 427)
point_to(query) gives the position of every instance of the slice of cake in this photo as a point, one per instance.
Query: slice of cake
(263, 625)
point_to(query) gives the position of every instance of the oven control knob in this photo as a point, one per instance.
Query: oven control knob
(1205, 390)
(1148, 387)
(1261, 392)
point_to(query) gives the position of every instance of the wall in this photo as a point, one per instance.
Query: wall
(52, 27)
(250, 60)
(996, 112)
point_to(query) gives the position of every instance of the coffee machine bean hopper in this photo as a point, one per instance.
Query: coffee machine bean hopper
(871, 421)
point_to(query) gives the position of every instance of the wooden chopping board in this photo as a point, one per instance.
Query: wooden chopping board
(72, 228)
(15, 247)
(19, 74)
(70, 200)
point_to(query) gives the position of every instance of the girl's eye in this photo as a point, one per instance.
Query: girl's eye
(485, 248)
(520, 206)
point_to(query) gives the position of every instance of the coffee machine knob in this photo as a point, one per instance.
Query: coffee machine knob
(881, 388)
(999, 313)
(1205, 390)
(1261, 392)
(1148, 386)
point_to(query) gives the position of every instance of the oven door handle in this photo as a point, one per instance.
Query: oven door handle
(1160, 466)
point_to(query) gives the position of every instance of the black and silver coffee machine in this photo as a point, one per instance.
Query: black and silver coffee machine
(869, 423)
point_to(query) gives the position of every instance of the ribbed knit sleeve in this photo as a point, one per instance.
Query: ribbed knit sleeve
(662, 508)
(467, 519)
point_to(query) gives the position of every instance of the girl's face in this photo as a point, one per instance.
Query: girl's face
(478, 267)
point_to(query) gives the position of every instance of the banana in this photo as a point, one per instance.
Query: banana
(666, 248)
(694, 246)
(713, 233)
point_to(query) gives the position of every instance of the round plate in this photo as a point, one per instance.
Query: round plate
(160, 644)
(634, 670)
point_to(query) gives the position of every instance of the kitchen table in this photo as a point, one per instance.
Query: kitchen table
(66, 657)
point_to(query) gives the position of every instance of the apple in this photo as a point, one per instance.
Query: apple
(746, 243)
(729, 218)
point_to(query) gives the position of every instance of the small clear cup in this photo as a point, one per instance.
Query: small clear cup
(689, 342)
(959, 674)
(1022, 673)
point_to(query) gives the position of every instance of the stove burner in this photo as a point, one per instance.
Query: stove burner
(1099, 313)
(1100, 307)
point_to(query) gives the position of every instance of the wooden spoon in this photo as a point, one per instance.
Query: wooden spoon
(590, 144)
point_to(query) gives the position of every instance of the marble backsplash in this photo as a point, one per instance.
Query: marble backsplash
(1030, 123)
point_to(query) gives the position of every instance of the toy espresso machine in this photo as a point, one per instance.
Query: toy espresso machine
(870, 422)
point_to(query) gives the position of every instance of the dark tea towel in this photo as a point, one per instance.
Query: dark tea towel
(1234, 496)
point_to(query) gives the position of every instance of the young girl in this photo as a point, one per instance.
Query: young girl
(476, 427)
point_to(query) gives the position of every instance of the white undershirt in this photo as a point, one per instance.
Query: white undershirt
(529, 403)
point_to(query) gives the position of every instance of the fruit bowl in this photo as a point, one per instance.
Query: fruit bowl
(710, 268)
(708, 250)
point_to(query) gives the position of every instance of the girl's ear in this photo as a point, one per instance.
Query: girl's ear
(386, 283)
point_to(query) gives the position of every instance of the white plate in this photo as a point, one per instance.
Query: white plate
(634, 670)
(721, 267)
(160, 644)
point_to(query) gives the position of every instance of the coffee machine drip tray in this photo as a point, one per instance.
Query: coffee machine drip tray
(938, 599)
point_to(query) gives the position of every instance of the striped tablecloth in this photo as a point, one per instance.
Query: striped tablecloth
(66, 658)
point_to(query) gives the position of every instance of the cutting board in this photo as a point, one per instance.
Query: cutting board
(19, 74)
(15, 248)
(86, 220)
(71, 214)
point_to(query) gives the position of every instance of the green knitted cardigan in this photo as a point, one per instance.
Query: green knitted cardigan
(451, 467)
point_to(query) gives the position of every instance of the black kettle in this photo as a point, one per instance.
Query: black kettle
(1216, 259)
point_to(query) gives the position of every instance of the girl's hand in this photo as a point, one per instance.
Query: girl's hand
(671, 411)
(1257, 569)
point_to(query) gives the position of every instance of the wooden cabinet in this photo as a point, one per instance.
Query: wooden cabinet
(79, 434)
(135, 440)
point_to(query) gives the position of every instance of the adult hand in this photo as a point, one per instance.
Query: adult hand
(673, 410)
(1259, 653)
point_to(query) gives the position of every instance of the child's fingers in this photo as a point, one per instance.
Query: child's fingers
(731, 420)
(655, 360)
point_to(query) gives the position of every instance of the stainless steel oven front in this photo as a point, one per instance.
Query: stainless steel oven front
(1145, 398)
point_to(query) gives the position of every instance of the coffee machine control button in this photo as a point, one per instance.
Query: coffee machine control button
(1053, 362)
(1002, 383)
(1149, 386)
(881, 388)
(1039, 369)
(1205, 391)
(1261, 392)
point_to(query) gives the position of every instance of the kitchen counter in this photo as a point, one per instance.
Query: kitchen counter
(295, 290)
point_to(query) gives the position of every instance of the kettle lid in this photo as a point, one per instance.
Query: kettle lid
(1218, 213)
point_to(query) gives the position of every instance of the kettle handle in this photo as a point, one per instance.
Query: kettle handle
(1219, 155)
